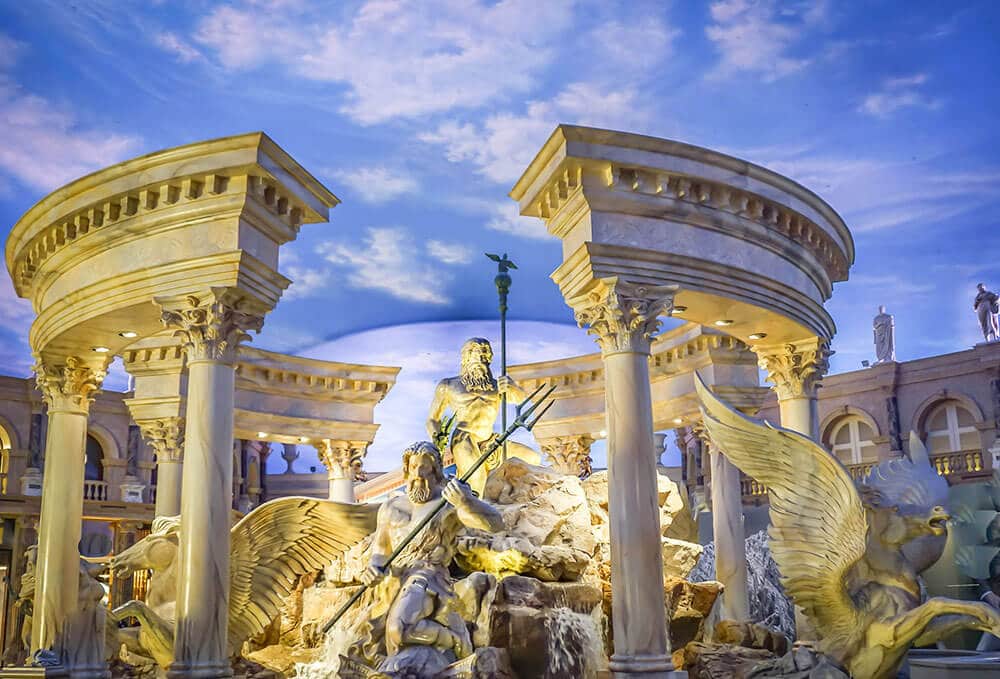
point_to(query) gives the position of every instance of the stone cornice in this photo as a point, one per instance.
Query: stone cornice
(677, 171)
(622, 316)
(167, 180)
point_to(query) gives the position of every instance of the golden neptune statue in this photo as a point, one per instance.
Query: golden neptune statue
(473, 397)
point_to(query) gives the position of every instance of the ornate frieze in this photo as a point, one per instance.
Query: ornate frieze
(796, 369)
(623, 316)
(343, 459)
(165, 436)
(569, 454)
(211, 326)
(70, 385)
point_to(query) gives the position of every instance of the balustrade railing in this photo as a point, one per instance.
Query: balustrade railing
(95, 490)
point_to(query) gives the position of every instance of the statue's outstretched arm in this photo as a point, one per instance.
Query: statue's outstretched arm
(472, 512)
(438, 407)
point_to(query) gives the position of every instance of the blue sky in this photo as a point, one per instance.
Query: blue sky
(420, 116)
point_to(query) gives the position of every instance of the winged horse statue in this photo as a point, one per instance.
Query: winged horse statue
(270, 548)
(840, 545)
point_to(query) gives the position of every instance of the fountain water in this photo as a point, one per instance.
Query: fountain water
(575, 645)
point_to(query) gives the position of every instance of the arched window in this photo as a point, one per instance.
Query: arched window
(951, 428)
(851, 440)
(93, 469)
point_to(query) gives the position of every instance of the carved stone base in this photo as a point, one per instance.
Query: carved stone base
(55, 672)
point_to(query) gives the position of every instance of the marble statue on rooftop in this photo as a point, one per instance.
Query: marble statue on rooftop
(884, 328)
(986, 308)
(840, 546)
(417, 626)
(269, 549)
(474, 398)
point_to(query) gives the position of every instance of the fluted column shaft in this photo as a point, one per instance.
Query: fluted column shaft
(211, 327)
(68, 389)
(623, 317)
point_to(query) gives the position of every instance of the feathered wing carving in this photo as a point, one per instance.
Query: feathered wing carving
(279, 541)
(818, 526)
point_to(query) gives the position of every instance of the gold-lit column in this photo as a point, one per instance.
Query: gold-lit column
(166, 437)
(623, 317)
(68, 387)
(211, 326)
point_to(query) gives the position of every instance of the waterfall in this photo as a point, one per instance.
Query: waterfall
(336, 643)
(575, 645)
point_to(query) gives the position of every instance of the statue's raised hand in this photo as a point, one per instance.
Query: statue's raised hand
(372, 575)
(457, 493)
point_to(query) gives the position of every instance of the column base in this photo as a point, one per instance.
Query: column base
(51, 672)
(643, 667)
(206, 671)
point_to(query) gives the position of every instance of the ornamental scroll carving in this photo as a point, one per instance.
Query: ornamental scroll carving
(623, 316)
(165, 436)
(343, 459)
(211, 326)
(71, 385)
(796, 369)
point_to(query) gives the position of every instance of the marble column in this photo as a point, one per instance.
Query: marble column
(728, 532)
(795, 370)
(68, 387)
(166, 437)
(569, 454)
(343, 461)
(211, 328)
(623, 316)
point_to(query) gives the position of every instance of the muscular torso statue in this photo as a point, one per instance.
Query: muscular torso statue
(474, 397)
(422, 611)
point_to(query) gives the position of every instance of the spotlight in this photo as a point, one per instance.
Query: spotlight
(101, 350)
(262, 434)
(303, 439)
(128, 334)
(678, 420)
(679, 309)
(603, 434)
(722, 322)
(757, 335)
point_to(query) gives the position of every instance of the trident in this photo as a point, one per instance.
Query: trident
(502, 282)
(524, 420)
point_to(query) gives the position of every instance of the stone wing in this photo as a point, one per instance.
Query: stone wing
(818, 524)
(279, 541)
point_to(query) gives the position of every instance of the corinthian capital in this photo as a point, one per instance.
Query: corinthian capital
(343, 459)
(623, 316)
(795, 369)
(165, 436)
(212, 325)
(569, 454)
(70, 384)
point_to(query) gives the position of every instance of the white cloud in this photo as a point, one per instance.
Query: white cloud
(449, 253)
(182, 50)
(896, 94)
(44, 144)
(620, 40)
(397, 58)
(507, 219)
(754, 36)
(502, 146)
(377, 183)
(390, 261)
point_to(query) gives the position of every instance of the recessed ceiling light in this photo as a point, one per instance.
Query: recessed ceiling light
(724, 322)
(679, 308)
(678, 420)
(757, 335)
(603, 434)
(101, 350)
(262, 434)
(303, 439)
(128, 334)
